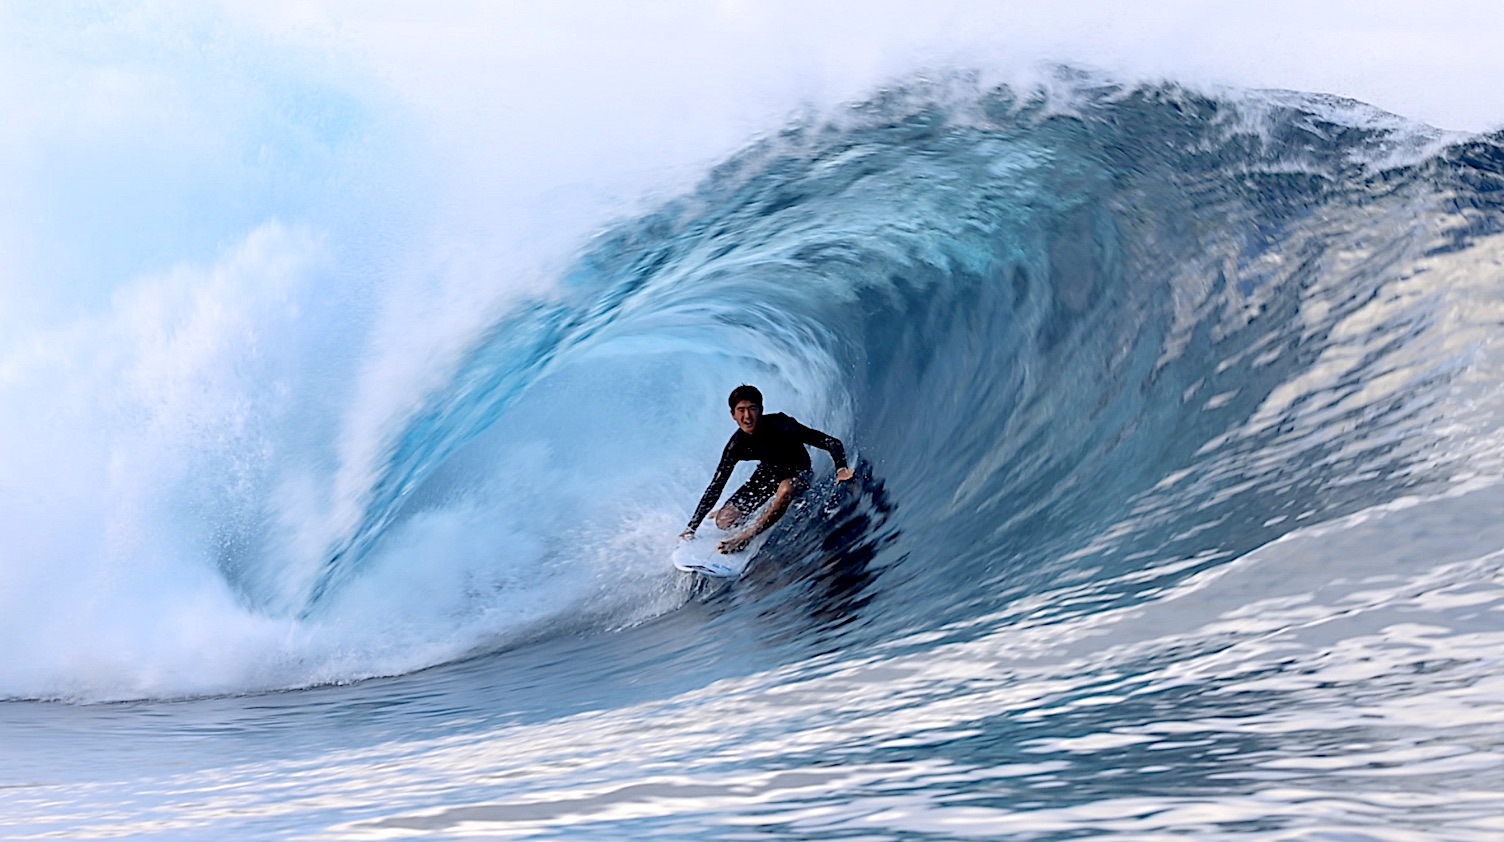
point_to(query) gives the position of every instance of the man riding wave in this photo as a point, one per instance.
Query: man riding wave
(777, 443)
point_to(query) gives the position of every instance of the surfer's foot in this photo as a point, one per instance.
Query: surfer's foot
(735, 543)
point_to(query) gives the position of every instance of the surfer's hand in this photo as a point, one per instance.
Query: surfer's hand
(844, 474)
(686, 535)
(734, 544)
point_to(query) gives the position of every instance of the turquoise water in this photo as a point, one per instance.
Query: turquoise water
(1176, 418)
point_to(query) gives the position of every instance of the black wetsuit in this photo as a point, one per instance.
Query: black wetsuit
(778, 447)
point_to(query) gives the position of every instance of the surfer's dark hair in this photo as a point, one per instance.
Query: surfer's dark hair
(744, 393)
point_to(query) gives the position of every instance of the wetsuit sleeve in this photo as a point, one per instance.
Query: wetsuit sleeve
(826, 442)
(717, 485)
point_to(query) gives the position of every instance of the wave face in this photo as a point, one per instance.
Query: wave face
(1073, 336)
(1144, 386)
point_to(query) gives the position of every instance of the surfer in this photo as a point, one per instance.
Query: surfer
(777, 443)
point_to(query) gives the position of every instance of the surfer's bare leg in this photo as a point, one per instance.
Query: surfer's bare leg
(770, 515)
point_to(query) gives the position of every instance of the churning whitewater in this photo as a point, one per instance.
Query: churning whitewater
(1177, 423)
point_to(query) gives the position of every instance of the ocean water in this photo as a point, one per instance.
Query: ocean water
(1176, 417)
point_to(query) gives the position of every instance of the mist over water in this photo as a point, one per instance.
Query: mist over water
(359, 367)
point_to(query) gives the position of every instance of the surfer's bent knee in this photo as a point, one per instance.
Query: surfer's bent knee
(727, 516)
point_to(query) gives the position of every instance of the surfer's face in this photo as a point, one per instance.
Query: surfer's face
(746, 414)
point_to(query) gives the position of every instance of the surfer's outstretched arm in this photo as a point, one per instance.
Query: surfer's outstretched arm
(828, 443)
(712, 492)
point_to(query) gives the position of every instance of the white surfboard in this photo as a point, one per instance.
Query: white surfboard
(699, 555)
